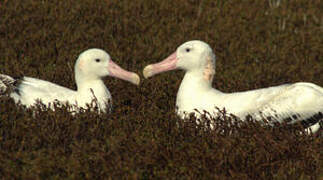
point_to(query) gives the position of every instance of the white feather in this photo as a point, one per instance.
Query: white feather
(91, 66)
(297, 102)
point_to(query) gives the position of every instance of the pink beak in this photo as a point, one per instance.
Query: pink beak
(118, 72)
(165, 65)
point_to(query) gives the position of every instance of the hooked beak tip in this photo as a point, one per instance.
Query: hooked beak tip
(147, 71)
(136, 79)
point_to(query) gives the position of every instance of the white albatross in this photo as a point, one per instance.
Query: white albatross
(91, 66)
(293, 102)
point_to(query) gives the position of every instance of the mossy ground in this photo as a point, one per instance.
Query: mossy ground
(257, 44)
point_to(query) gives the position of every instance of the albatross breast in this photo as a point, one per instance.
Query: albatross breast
(295, 102)
(91, 66)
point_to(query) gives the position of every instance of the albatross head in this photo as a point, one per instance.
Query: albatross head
(95, 64)
(191, 56)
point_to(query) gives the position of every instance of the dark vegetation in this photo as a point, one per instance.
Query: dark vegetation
(257, 43)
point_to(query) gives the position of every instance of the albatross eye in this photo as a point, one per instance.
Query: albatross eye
(97, 60)
(187, 49)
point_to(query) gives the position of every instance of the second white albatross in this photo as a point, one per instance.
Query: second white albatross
(293, 102)
(91, 66)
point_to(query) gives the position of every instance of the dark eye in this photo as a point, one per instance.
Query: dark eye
(97, 60)
(187, 49)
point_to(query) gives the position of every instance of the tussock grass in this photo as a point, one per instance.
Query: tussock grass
(257, 43)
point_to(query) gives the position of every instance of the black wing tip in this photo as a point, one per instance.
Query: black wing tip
(316, 118)
(9, 84)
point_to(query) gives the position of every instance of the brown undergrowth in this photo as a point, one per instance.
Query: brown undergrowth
(257, 44)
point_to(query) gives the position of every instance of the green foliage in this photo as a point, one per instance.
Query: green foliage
(257, 44)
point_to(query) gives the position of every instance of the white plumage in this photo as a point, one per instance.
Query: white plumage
(292, 102)
(91, 66)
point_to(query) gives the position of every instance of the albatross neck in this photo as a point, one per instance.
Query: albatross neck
(195, 81)
(84, 83)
